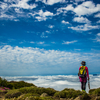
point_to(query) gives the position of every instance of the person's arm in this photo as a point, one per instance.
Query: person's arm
(87, 72)
(78, 71)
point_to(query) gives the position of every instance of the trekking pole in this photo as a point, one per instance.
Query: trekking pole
(89, 84)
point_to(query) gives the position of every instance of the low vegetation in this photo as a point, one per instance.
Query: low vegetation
(25, 91)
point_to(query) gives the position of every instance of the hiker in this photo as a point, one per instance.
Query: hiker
(83, 75)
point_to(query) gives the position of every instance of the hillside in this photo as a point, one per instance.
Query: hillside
(26, 91)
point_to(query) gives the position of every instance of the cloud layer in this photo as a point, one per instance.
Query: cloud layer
(58, 82)
(20, 58)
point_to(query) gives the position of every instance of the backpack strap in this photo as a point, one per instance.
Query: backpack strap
(84, 69)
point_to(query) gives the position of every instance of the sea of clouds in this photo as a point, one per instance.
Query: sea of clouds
(58, 82)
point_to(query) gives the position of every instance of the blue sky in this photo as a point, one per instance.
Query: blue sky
(49, 37)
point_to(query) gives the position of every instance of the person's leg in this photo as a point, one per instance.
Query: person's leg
(84, 85)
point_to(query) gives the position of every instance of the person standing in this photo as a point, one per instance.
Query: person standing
(83, 75)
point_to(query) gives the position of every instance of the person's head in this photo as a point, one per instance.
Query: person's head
(83, 63)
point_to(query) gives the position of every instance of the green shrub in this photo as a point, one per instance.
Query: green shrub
(84, 96)
(14, 84)
(20, 84)
(3, 82)
(25, 90)
(49, 91)
(30, 96)
(37, 90)
(91, 91)
(60, 94)
(12, 93)
(95, 91)
(68, 93)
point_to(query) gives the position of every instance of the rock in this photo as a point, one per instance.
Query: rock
(63, 99)
(77, 98)
(97, 98)
(44, 95)
(27, 98)
(20, 97)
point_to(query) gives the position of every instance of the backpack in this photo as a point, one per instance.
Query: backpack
(82, 72)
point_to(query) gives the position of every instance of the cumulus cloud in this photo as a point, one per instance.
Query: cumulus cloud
(65, 9)
(51, 2)
(87, 8)
(97, 37)
(81, 20)
(85, 27)
(17, 5)
(3, 6)
(43, 15)
(98, 34)
(51, 26)
(23, 4)
(64, 22)
(98, 21)
(11, 17)
(97, 15)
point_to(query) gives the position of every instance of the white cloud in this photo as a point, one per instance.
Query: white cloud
(23, 4)
(41, 18)
(3, 6)
(28, 60)
(98, 34)
(69, 7)
(97, 15)
(28, 55)
(43, 15)
(50, 2)
(87, 8)
(40, 42)
(85, 27)
(17, 10)
(11, 17)
(65, 9)
(81, 20)
(69, 42)
(64, 22)
(58, 82)
(98, 21)
(17, 5)
(97, 37)
(51, 26)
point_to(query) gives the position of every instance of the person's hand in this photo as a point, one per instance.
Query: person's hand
(88, 78)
